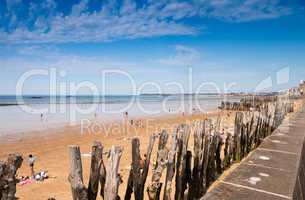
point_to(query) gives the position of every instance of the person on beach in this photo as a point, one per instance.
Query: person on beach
(194, 110)
(41, 116)
(125, 117)
(31, 162)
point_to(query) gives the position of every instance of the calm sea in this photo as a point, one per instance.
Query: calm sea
(38, 112)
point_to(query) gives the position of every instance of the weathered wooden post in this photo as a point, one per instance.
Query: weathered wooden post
(206, 154)
(183, 138)
(211, 169)
(170, 168)
(129, 188)
(102, 178)
(154, 188)
(150, 147)
(136, 168)
(196, 187)
(79, 191)
(260, 130)
(187, 179)
(218, 160)
(96, 162)
(271, 112)
(138, 187)
(112, 177)
(256, 130)
(2, 181)
(218, 145)
(8, 180)
(251, 129)
(237, 136)
(227, 152)
(242, 141)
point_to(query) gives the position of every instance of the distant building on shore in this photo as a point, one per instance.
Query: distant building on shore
(296, 91)
(302, 87)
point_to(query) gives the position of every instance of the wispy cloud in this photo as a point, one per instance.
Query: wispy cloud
(29, 57)
(244, 11)
(184, 56)
(46, 23)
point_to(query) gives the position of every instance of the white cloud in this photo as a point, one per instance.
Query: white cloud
(244, 11)
(79, 8)
(126, 21)
(184, 56)
(30, 58)
(100, 26)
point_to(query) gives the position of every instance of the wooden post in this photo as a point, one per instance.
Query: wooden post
(211, 170)
(227, 152)
(142, 176)
(251, 130)
(154, 188)
(136, 169)
(242, 141)
(187, 179)
(183, 138)
(170, 168)
(196, 186)
(237, 135)
(206, 155)
(219, 144)
(2, 181)
(147, 162)
(8, 180)
(129, 188)
(258, 131)
(112, 177)
(79, 191)
(96, 161)
(102, 178)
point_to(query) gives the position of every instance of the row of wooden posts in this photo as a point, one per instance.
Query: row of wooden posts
(188, 174)
(248, 103)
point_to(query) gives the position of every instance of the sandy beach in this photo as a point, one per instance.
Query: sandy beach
(210, 80)
(51, 148)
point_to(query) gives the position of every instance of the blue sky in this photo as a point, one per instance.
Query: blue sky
(222, 41)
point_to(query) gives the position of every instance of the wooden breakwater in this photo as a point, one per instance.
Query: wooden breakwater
(188, 172)
(254, 103)
(274, 170)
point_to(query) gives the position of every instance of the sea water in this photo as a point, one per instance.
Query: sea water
(34, 112)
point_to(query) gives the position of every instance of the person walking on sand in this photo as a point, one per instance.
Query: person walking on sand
(31, 161)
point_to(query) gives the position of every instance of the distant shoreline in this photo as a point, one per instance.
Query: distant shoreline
(10, 104)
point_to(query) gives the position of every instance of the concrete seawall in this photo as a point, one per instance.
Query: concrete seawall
(299, 189)
(275, 170)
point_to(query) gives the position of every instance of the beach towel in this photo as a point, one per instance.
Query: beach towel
(26, 182)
